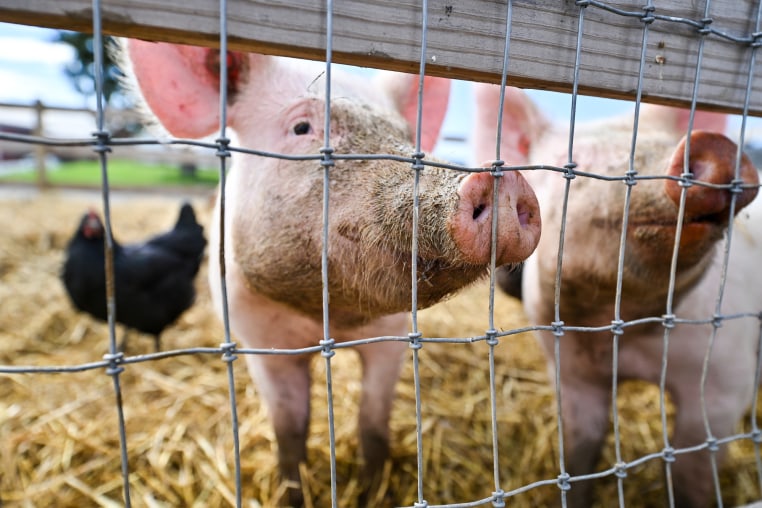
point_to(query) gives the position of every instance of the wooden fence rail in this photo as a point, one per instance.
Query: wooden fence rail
(39, 119)
(465, 39)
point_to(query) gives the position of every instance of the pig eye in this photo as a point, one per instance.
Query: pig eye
(302, 128)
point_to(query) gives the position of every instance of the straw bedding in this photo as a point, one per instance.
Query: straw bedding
(59, 439)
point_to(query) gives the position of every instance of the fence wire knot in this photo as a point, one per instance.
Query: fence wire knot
(492, 337)
(668, 454)
(668, 321)
(686, 180)
(629, 178)
(756, 40)
(222, 147)
(420, 504)
(717, 320)
(736, 186)
(228, 352)
(497, 168)
(569, 168)
(102, 139)
(558, 328)
(415, 340)
(328, 350)
(648, 17)
(582, 3)
(327, 159)
(417, 156)
(705, 22)
(620, 470)
(756, 436)
(114, 363)
(563, 482)
(712, 445)
(616, 327)
(498, 498)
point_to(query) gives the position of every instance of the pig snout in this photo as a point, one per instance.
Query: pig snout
(712, 159)
(518, 219)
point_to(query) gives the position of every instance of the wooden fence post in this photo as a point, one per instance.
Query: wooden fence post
(40, 151)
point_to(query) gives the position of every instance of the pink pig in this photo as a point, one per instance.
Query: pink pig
(273, 224)
(589, 274)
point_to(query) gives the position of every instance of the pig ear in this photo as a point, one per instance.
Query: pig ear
(403, 89)
(522, 124)
(676, 119)
(180, 84)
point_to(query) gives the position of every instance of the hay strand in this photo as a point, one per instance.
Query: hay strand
(59, 432)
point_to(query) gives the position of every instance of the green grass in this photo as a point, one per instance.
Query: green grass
(120, 173)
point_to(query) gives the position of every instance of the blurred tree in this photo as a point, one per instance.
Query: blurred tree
(81, 70)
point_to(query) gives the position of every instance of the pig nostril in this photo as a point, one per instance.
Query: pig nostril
(523, 214)
(478, 211)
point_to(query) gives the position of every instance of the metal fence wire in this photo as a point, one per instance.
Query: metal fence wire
(114, 363)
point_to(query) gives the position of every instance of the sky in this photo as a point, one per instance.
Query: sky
(31, 68)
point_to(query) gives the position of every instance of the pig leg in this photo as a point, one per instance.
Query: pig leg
(381, 364)
(692, 473)
(284, 384)
(585, 379)
(585, 412)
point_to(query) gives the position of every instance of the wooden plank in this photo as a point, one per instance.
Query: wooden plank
(465, 39)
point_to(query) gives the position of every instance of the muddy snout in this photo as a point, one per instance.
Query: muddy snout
(518, 218)
(712, 159)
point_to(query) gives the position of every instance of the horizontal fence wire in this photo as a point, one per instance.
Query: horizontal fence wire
(114, 363)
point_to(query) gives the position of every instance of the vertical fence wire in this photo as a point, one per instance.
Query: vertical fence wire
(114, 357)
(558, 324)
(228, 347)
(491, 333)
(620, 466)
(711, 440)
(718, 316)
(755, 434)
(668, 323)
(415, 335)
(327, 163)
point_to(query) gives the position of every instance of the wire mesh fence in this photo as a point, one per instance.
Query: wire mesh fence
(667, 316)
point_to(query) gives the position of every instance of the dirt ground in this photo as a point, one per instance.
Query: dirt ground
(59, 437)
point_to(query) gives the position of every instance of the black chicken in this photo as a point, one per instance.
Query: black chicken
(153, 281)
